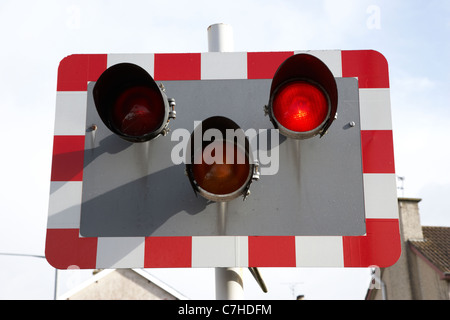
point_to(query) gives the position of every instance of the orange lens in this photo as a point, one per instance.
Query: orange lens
(221, 170)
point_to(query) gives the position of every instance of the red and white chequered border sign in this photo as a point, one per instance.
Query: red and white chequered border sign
(380, 246)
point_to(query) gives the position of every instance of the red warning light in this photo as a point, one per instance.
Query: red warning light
(303, 97)
(138, 111)
(131, 104)
(300, 106)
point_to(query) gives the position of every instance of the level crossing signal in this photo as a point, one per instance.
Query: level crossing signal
(264, 129)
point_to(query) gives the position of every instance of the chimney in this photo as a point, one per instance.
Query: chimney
(410, 227)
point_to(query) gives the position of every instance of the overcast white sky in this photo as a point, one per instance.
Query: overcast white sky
(35, 35)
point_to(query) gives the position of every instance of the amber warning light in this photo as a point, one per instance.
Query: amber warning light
(220, 165)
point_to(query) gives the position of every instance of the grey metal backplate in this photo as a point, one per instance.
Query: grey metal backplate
(135, 190)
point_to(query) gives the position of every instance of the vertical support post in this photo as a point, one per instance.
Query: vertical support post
(220, 38)
(55, 294)
(229, 283)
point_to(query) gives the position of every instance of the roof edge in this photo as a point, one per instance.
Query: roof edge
(442, 275)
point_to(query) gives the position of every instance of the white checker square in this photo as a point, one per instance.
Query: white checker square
(375, 109)
(319, 251)
(380, 196)
(332, 58)
(120, 252)
(220, 65)
(145, 61)
(64, 204)
(219, 251)
(70, 113)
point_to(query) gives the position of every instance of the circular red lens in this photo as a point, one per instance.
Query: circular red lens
(221, 177)
(138, 111)
(300, 106)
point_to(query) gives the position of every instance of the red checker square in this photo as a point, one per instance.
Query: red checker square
(168, 252)
(380, 246)
(64, 248)
(263, 65)
(76, 70)
(271, 251)
(369, 66)
(68, 158)
(377, 151)
(177, 66)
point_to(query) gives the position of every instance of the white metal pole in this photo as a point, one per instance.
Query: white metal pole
(229, 283)
(220, 38)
